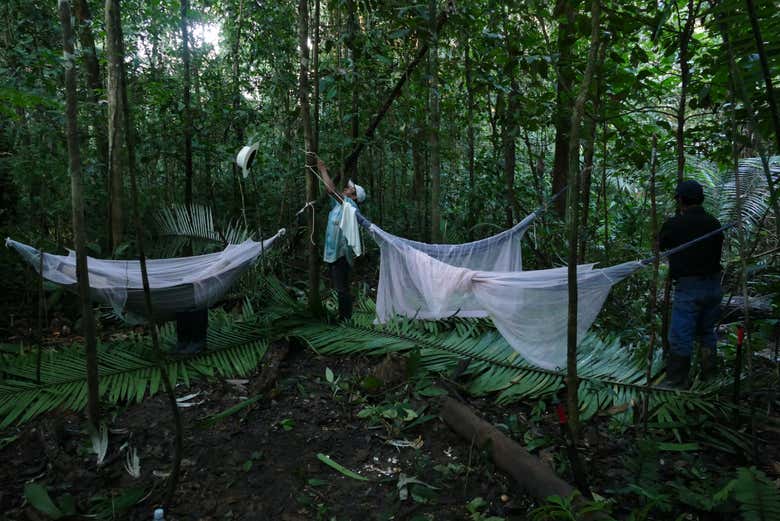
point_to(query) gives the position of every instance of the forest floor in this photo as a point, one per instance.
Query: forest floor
(262, 462)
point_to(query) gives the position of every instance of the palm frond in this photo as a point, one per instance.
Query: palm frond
(758, 497)
(182, 224)
(128, 370)
(721, 188)
(611, 379)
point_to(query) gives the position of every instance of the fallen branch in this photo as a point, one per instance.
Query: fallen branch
(266, 380)
(533, 476)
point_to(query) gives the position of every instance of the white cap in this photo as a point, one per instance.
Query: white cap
(246, 157)
(360, 192)
(158, 514)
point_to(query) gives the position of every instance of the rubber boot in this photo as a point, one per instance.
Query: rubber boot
(709, 363)
(677, 369)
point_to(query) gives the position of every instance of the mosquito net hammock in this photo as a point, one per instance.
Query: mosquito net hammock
(485, 279)
(177, 284)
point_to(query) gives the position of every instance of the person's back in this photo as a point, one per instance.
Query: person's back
(702, 258)
(696, 272)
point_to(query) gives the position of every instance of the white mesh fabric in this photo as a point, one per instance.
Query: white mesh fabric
(177, 284)
(407, 290)
(529, 308)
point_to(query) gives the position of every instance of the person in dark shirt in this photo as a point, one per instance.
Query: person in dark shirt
(696, 273)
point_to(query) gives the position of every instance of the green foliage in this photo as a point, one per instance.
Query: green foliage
(570, 508)
(39, 498)
(181, 225)
(128, 370)
(340, 468)
(758, 497)
(475, 508)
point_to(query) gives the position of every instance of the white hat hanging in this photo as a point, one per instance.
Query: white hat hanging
(246, 156)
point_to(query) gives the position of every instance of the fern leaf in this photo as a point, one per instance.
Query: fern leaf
(758, 497)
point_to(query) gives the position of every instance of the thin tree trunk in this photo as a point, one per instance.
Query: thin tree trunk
(178, 445)
(565, 12)
(471, 219)
(536, 166)
(654, 281)
(591, 125)
(117, 144)
(315, 305)
(351, 168)
(433, 131)
(604, 189)
(509, 142)
(685, 68)
(743, 273)
(509, 126)
(87, 39)
(237, 189)
(316, 79)
(740, 90)
(394, 93)
(685, 74)
(770, 92)
(573, 203)
(187, 115)
(79, 234)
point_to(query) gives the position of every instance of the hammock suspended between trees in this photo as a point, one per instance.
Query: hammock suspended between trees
(177, 284)
(485, 279)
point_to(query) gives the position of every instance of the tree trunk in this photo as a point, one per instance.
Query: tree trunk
(770, 92)
(79, 234)
(508, 144)
(565, 12)
(433, 133)
(352, 27)
(316, 79)
(238, 127)
(685, 38)
(178, 444)
(533, 476)
(187, 115)
(685, 74)
(394, 93)
(117, 144)
(573, 203)
(95, 84)
(591, 124)
(604, 189)
(743, 269)
(471, 219)
(740, 90)
(654, 280)
(315, 305)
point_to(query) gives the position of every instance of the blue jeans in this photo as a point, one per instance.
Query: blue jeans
(695, 311)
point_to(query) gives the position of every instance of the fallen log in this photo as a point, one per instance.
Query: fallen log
(533, 476)
(276, 354)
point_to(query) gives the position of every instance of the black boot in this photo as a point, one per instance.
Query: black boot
(709, 363)
(677, 369)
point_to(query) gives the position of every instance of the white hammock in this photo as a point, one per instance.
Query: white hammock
(485, 279)
(178, 284)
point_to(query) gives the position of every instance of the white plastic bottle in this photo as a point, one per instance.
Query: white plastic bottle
(159, 514)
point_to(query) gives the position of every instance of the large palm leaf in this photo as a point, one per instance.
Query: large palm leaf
(611, 376)
(128, 370)
(722, 192)
(181, 225)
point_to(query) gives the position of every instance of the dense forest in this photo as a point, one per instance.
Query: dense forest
(121, 128)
